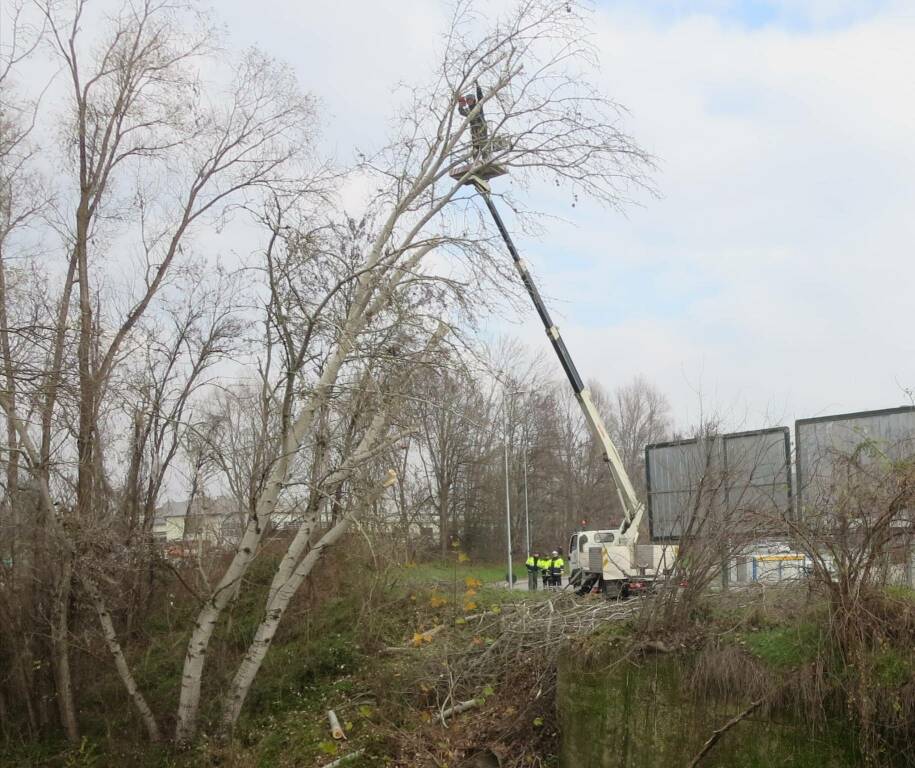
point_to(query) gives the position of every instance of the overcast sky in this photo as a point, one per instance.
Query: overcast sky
(773, 276)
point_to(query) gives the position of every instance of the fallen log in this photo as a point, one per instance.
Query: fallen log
(335, 730)
(345, 759)
(458, 708)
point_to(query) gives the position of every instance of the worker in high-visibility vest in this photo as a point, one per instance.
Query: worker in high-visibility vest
(543, 563)
(533, 570)
(556, 566)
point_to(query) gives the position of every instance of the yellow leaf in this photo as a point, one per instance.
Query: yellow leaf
(463, 557)
(437, 601)
(471, 583)
(328, 747)
(470, 593)
(417, 639)
(469, 606)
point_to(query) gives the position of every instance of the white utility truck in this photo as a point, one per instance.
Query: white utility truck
(611, 560)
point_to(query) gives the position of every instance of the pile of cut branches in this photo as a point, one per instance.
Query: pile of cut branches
(489, 681)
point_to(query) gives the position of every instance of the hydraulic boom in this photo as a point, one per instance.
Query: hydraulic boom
(477, 173)
(632, 507)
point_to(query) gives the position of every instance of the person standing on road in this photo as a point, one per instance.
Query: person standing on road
(533, 567)
(543, 565)
(556, 566)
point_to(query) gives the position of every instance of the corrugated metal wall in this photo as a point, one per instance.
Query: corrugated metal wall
(743, 478)
(819, 441)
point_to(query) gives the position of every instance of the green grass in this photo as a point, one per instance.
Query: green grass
(323, 656)
(785, 647)
(893, 667)
(425, 574)
(900, 592)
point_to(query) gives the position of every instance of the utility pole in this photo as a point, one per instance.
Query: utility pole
(508, 514)
(527, 517)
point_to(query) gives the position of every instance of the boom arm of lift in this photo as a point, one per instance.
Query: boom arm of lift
(633, 509)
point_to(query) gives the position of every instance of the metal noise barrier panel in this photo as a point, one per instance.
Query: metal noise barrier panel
(824, 443)
(741, 480)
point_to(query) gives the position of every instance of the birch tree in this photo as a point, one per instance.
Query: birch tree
(532, 64)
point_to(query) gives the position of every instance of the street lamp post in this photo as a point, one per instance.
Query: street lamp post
(508, 513)
(527, 517)
(508, 518)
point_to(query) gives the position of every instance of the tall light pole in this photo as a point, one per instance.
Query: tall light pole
(508, 512)
(527, 517)
(508, 517)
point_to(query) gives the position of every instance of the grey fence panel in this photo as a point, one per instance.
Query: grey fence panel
(744, 475)
(759, 479)
(666, 515)
(674, 474)
(821, 441)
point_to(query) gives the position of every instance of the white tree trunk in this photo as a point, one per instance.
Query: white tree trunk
(254, 657)
(372, 295)
(120, 661)
(208, 617)
(294, 568)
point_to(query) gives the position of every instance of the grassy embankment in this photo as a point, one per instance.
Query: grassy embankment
(329, 653)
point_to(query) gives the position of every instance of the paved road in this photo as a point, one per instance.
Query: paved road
(521, 584)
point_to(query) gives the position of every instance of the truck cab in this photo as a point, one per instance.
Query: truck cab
(580, 544)
(597, 558)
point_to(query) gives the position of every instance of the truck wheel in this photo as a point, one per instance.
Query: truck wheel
(613, 590)
(586, 584)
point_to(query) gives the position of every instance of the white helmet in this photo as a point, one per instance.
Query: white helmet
(555, 553)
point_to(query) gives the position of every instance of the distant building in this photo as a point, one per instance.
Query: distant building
(213, 520)
(218, 521)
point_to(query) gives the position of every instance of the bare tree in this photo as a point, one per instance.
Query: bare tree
(640, 416)
(105, 379)
(859, 514)
(23, 200)
(531, 64)
(447, 445)
(149, 158)
(856, 529)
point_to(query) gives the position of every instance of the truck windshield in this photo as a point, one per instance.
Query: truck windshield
(605, 537)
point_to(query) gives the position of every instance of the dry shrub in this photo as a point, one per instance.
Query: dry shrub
(809, 693)
(727, 673)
